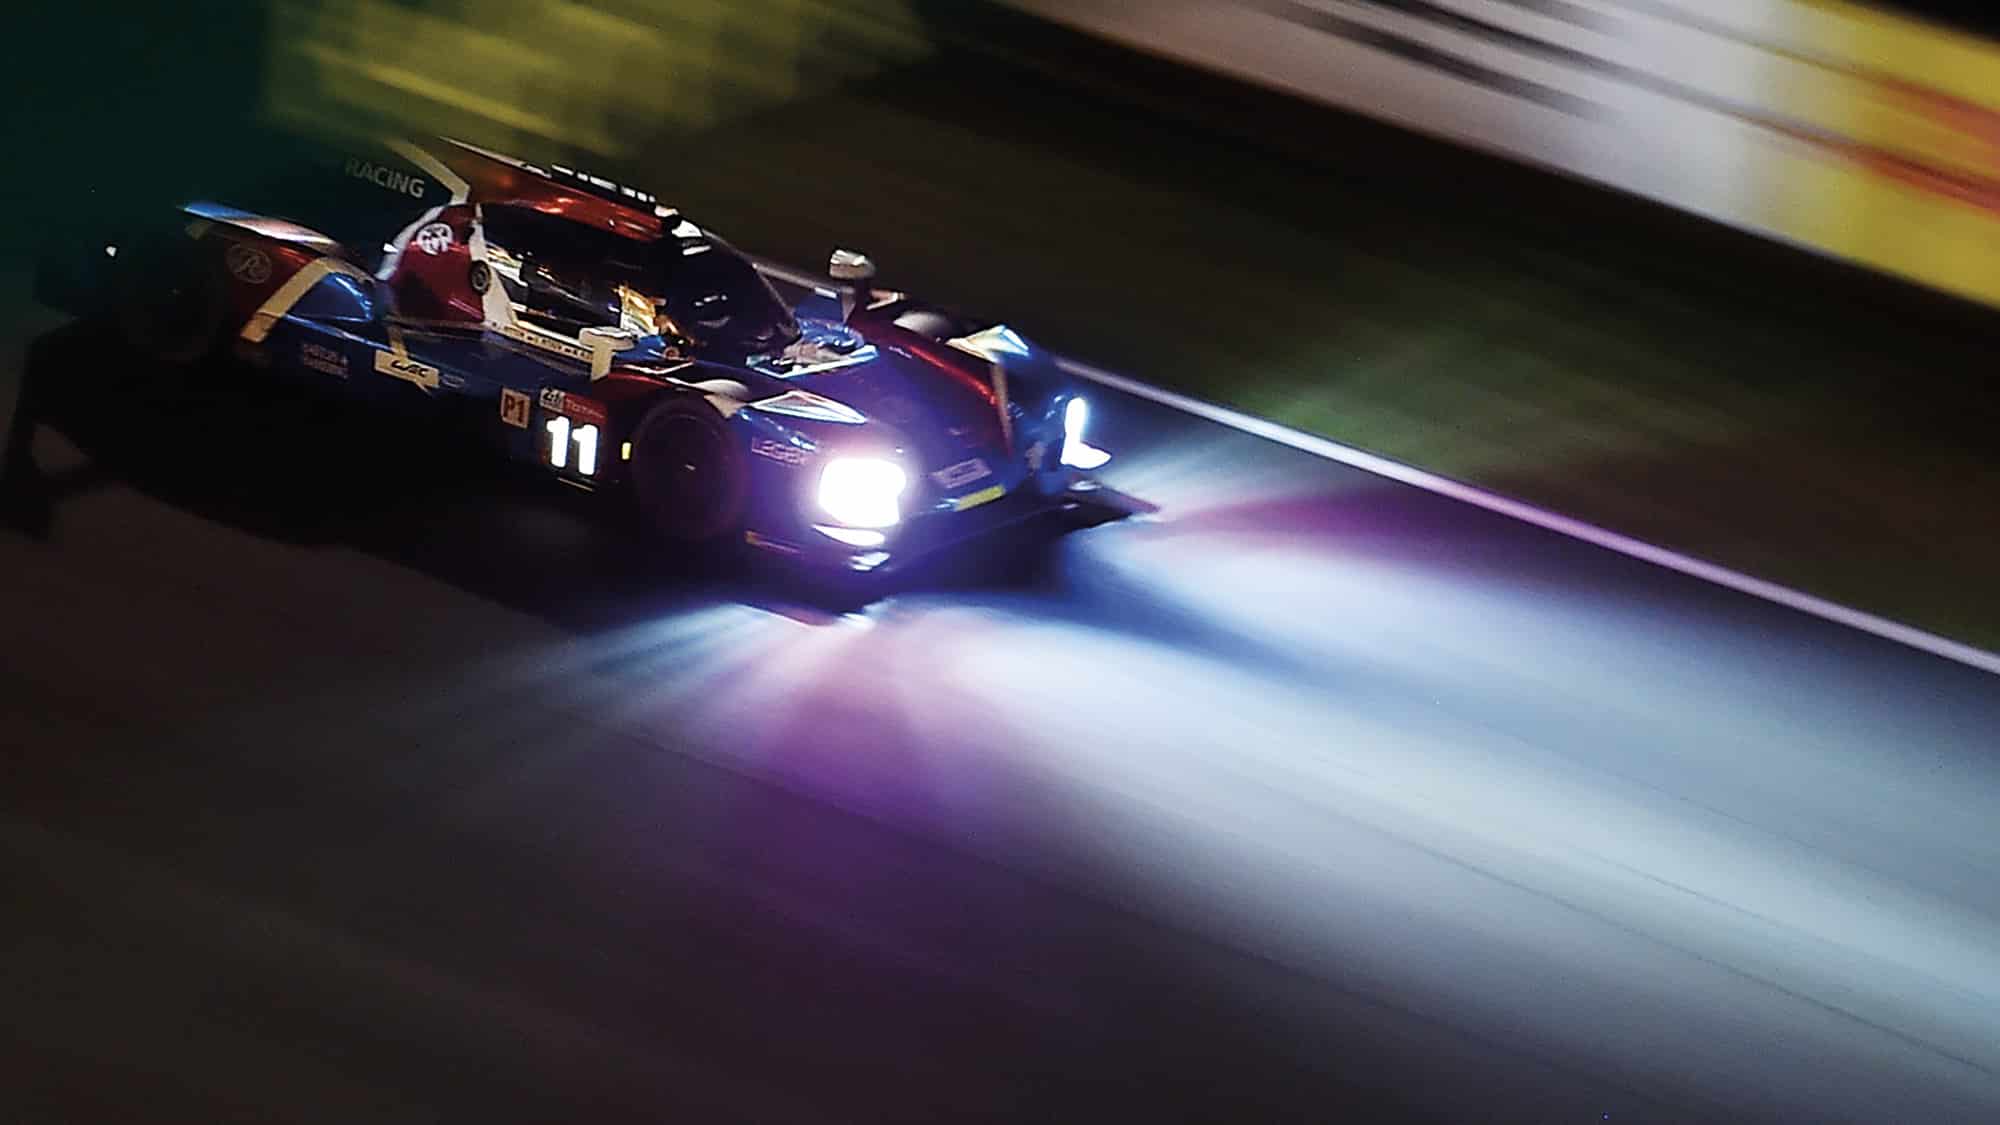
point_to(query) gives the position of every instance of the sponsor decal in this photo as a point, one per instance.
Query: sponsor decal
(319, 357)
(452, 382)
(248, 264)
(434, 238)
(965, 472)
(545, 341)
(782, 452)
(387, 178)
(574, 406)
(516, 409)
(975, 499)
(407, 369)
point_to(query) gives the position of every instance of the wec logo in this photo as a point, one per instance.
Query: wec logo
(408, 370)
(383, 176)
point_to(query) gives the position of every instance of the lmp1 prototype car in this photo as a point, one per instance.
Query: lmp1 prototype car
(588, 329)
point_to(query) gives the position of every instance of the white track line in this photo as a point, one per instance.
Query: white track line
(1560, 524)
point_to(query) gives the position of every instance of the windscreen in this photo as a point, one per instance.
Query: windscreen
(567, 276)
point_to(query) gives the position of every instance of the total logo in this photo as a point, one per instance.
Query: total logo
(387, 178)
(557, 401)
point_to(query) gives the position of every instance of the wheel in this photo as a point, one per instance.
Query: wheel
(169, 307)
(688, 474)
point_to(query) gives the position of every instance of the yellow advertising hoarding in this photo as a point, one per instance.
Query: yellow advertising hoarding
(1897, 163)
(1869, 136)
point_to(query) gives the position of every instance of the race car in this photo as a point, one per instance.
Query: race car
(588, 329)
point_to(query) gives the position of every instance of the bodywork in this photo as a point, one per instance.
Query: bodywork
(556, 352)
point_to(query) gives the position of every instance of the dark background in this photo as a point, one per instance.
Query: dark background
(291, 829)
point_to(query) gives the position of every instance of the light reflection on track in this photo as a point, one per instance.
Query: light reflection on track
(1567, 834)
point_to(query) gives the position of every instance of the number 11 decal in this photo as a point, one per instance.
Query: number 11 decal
(562, 435)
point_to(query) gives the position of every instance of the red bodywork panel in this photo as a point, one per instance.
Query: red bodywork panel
(253, 266)
(432, 275)
(970, 374)
(494, 179)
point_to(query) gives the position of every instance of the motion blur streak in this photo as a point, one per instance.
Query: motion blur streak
(543, 73)
(1586, 836)
(1551, 800)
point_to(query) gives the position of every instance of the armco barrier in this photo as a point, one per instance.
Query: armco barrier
(1864, 135)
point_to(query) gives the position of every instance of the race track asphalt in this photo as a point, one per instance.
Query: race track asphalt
(406, 793)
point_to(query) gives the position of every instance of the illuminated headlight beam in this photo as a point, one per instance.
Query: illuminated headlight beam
(862, 491)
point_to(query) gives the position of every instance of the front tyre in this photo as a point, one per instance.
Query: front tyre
(688, 474)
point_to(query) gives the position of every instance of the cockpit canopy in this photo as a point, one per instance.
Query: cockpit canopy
(686, 285)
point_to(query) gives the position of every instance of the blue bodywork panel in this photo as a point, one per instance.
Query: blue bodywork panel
(467, 285)
(895, 404)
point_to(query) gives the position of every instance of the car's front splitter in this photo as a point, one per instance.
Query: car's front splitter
(907, 547)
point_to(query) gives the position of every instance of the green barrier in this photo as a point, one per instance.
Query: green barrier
(552, 76)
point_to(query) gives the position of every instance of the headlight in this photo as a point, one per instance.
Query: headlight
(1076, 452)
(862, 492)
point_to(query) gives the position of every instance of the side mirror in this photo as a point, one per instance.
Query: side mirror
(850, 265)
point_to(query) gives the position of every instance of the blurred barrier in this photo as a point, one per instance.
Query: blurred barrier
(562, 77)
(1861, 134)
